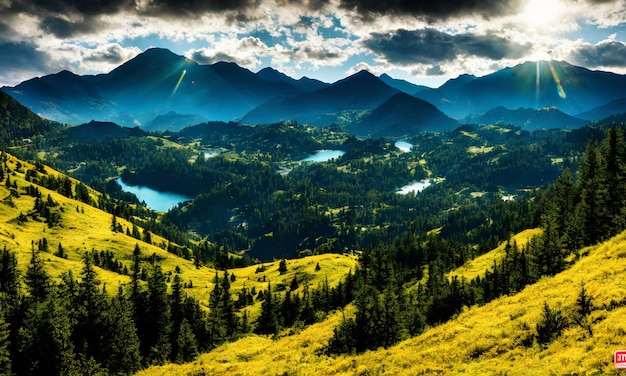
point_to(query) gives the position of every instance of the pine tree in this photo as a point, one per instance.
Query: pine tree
(121, 343)
(614, 179)
(592, 207)
(90, 306)
(268, 319)
(186, 343)
(229, 317)
(5, 343)
(36, 279)
(551, 325)
(282, 266)
(582, 309)
(215, 324)
(158, 323)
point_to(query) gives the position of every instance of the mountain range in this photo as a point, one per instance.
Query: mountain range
(159, 90)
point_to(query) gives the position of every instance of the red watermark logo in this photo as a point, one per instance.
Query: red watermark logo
(620, 359)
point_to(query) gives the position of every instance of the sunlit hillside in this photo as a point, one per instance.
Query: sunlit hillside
(83, 228)
(498, 338)
(479, 265)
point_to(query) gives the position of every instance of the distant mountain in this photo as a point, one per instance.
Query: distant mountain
(571, 89)
(528, 119)
(402, 115)
(18, 122)
(360, 92)
(64, 97)
(154, 82)
(612, 108)
(402, 85)
(98, 131)
(304, 83)
(173, 122)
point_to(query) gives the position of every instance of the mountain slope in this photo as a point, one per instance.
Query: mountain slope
(18, 122)
(304, 83)
(541, 84)
(155, 81)
(82, 228)
(492, 339)
(402, 115)
(528, 119)
(359, 92)
(401, 85)
(615, 107)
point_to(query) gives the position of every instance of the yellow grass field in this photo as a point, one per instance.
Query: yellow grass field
(485, 340)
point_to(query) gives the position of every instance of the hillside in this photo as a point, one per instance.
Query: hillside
(83, 228)
(492, 339)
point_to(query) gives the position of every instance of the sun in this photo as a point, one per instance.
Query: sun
(542, 14)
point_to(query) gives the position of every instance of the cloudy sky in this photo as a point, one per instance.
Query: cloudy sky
(423, 41)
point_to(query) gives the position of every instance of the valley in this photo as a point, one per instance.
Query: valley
(301, 227)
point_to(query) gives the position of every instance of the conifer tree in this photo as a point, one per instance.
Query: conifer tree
(268, 320)
(36, 279)
(186, 343)
(5, 343)
(592, 207)
(121, 343)
(158, 324)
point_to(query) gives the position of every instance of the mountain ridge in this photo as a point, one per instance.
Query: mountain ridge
(157, 82)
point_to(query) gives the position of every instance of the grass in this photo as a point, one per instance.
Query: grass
(494, 339)
(478, 266)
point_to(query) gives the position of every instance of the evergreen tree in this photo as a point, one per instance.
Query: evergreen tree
(551, 325)
(121, 343)
(36, 279)
(614, 179)
(215, 324)
(186, 343)
(5, 343)
(158, 324)
(282, 266)
(268, 319)
(90, 306)
(592, 208)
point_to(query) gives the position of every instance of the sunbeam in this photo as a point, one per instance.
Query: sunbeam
(182, 75)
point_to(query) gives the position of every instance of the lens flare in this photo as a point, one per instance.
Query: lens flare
(557, 81)
(182, 75)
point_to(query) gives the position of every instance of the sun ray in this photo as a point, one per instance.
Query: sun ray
(182, 75)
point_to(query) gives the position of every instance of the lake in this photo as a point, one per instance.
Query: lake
(404, 146)
(324, 155)
(155, 200)
(418, 186)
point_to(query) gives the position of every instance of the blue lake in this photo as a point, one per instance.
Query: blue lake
(159, 201)
(404, 146)
(324, 155)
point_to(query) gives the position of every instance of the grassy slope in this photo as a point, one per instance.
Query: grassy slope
(481, 340)
(79, 232)
(481, 264)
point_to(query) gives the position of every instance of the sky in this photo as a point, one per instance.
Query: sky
(423, 41)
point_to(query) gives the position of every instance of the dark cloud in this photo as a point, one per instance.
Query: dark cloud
(430, 46)
(604, 54)
(432, 9)
(62, 28)
(22, 56)
(113, 54)
(85, 8)
(316, 53)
